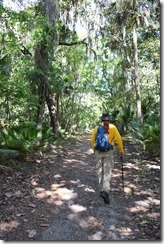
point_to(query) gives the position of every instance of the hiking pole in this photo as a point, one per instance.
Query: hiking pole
(122, 172)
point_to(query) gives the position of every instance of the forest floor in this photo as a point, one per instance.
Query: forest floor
(55, 196)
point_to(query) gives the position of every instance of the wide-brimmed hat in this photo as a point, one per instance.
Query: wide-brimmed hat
(105, 117)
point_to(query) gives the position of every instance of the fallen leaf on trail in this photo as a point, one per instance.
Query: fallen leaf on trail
(33, 193)
(8, 194)
(32, 205)
(32, 233)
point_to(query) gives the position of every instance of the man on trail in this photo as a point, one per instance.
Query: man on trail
(105, 158)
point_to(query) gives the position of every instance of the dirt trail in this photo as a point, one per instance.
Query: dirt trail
(58, 198)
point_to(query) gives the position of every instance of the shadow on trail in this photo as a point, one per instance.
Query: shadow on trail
(65, 196)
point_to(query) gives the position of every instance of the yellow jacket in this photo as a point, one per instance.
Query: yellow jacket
(113, 135)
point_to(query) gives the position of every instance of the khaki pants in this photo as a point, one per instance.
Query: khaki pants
(105, 163)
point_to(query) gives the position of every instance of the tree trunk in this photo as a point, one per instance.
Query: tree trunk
(53, 113)
(43, 61)
(40, 109)
(57, 98)
(136, 78)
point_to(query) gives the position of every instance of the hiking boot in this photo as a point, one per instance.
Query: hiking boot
(105, 196)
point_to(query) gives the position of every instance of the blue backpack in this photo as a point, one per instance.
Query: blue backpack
(102, 144)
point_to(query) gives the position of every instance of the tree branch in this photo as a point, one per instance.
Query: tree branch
(73, 43)
(78, 43)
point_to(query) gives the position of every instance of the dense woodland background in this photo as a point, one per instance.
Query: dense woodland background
(56, 78)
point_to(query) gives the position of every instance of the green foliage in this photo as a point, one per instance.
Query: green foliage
(147, 134)
(125, 116)
(24, 138)
(104, 83)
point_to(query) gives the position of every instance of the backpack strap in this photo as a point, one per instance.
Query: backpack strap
(99, 128)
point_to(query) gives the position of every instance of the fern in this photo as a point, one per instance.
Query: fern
(24, 138)
(148, 134)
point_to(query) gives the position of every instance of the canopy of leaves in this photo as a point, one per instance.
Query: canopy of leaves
(84, 75)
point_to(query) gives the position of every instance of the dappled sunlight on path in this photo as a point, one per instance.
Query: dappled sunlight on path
(59, 198)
